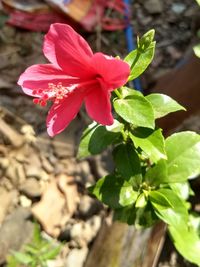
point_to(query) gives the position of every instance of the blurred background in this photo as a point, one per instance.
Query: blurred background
(47, 217)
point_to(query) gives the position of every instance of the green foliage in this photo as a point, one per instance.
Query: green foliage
(3, 19)
(197, 50)
(183, 152)
(114, 191)
(140, 58)
(187, 242)
(136, 110)
(128, 164)
(163, 105)
(150, 141)
(157, 174)
(96, 138)
(34, 254)
(175, 213)
(150, 179)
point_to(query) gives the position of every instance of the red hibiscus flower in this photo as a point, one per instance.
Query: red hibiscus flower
(75, 75)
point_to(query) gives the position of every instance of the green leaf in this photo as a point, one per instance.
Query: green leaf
(116, 127)
(145, 217)
(181, 189)
(126, 91)
(140, 58)
(139, 61)
(31, 249)
(128, 164)
(176, 215)
(125, 215)
(157, 174)
(151, 142)
(183, 152)
(37, 238)
(146, 40)
(11, 261)
(136, 110)
(194, 222)
(97, 138)
(127, 195)
(198, 2)
(197, 50)
(83, 150)
(160, 199)
(22, 257)
(187, 242)
(114, 191)
(101, 139)
(51, 253)
(163, 105)
(141, 201)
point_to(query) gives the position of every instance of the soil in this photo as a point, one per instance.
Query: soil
(33, 166)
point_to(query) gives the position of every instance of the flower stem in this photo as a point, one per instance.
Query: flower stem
(118, 94)
(124, 135)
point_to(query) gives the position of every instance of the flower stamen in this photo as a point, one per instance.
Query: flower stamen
(54, 92)
(57, 92)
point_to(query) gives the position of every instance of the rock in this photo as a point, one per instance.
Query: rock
(191, 11)
(5, 200)
(57, 205)
(20, 173)
(20, 156)
(31, 188)
(59, 168)
(4, 163)
(65, 234)
(63, 150)
(153, 6)
(85, 172)
(11, 173)
(76, 257)
(47, 165)
(29, 133)
(6, 183)
(157, 59)
(44, 176)
(173, 52)
(88, 207)
(95, 224)
(83, 233)
(78, 233)
(33, 169)
(101, 165)
(178, 8)
(71, 166)
(55, 263)
(14, 232)
(63, 145)
(25, 202)
(52, 159)
(146, 20)
(9, 31)
(43, 143)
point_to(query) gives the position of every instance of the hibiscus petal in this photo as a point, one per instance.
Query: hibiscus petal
(38, 77)
(66, 48)
(60, 115)
(98, 106)
(113, 71)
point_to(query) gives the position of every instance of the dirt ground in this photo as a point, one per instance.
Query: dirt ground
(36, 171)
